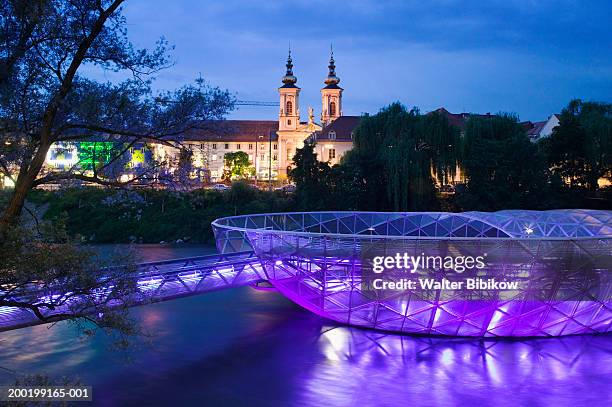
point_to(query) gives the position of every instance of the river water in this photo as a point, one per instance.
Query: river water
(255, 348)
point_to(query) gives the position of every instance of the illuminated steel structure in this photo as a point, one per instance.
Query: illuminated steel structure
(161, 281)
(315, 259)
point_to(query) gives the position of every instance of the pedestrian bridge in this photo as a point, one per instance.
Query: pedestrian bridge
(165, 280)
(323, 261)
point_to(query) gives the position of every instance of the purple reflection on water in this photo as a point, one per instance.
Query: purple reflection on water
(251, 347)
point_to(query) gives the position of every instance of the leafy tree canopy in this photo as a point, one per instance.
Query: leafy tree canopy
(503, 168)
(237, 166)
(45, 99)
(580, 148)
(399, 152)
(311, 177)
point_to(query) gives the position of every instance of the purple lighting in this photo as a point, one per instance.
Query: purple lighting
(560, 260)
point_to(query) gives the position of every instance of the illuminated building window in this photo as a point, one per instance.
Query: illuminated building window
(214, 157)
(332, 153)
(332, 108)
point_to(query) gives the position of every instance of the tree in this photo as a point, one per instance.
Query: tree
(399, 153)
(311, 177)
(237, 166)
(579, 149)
(184, 170)
(45, 100)
(395, 156)
(55, 280)
(503, 168)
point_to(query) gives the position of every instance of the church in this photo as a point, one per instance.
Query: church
(271, 144)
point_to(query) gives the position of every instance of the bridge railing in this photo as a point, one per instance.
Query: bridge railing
(158, 281)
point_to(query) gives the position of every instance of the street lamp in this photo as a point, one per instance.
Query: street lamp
(256, 155)
(270, 161)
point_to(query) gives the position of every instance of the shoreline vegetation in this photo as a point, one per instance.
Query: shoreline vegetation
(108, 215)
(94, 215)
(401, 160)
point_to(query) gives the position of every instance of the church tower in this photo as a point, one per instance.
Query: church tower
(289, 115)
(331, 95)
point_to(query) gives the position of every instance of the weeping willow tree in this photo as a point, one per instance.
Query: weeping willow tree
(400, 154)
(504, 169)
(445, 139)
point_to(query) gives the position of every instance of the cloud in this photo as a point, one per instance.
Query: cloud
(528, 57)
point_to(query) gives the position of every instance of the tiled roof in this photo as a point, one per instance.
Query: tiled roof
(535, 128)
(233, 130)
(343, 126)
(458, 119)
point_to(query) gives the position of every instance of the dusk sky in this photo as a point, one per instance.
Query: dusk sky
(526, 57)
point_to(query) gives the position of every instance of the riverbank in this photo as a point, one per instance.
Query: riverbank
(97, 215)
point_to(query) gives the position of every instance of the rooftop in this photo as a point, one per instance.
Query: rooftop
(234, 130)
(343, 128)
(458, 119)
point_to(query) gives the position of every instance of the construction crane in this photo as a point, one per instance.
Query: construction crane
(238, 102)
(255, 103)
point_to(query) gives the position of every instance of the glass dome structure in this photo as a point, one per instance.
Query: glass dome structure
(561, 260)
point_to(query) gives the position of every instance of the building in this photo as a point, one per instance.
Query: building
(535, 130)
(210, 142)
(335, 139)
(539, 130)
(269, 144)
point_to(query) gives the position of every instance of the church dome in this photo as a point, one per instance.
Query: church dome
(289, 79)
(332, 80)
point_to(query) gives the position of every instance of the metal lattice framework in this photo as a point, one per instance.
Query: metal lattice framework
(315, 260)
(166, 280)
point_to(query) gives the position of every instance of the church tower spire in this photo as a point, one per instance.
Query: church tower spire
(331, 94)
(289, 115)
(289, 78)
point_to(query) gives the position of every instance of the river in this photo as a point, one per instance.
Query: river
(250, 347)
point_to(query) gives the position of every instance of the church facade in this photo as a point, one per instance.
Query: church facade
(271, 144)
